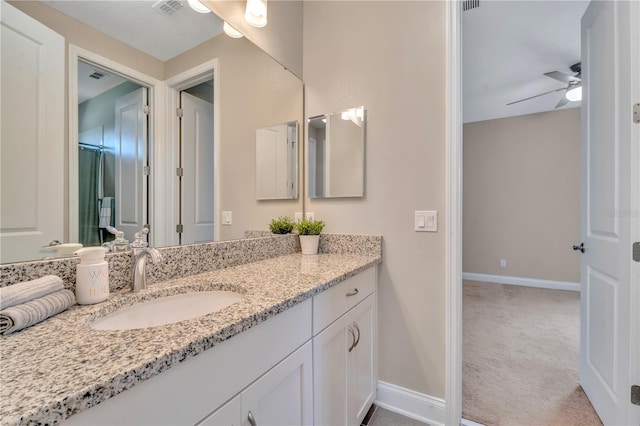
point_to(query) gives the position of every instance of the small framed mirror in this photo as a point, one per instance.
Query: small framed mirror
(336, 154)
(277, 162)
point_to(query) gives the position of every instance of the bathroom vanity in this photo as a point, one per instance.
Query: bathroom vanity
(299, 347)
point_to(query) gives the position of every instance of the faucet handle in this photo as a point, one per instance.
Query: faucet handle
(138, 241)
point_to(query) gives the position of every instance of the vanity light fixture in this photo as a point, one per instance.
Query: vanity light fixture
(256, 13)
(230, 31)
(574, 94)
(353, 114)
(198, 6)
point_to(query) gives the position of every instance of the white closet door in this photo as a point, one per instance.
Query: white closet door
(32, 137)
(197, 206)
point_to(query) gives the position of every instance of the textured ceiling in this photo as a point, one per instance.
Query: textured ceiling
(136, 23)
(507, 48)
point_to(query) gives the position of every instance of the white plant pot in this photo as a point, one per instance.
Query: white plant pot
(309, 244)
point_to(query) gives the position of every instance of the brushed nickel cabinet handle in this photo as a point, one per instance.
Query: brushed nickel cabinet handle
(355, 324)
(352, 292)
(252, 420)
(353, 335)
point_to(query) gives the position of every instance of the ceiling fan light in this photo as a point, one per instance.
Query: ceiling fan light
(256, 13)
(230, 31)
(198, 6)
(574, 94)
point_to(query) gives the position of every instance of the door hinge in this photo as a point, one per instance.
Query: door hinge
(635, 395)
(636, 113)
(636, 252)
(179, 112)
(179, 172)
(146, 109)
(146, 170)
(179, 228)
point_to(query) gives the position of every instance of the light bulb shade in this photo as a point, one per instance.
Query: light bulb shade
(198, 6)
(230, 31)
(574, 94)
(256, 13)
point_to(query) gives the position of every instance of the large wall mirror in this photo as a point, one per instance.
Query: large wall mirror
(336, 154)
(177, 180)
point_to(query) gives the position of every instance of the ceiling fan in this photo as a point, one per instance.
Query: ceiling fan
(573, 90)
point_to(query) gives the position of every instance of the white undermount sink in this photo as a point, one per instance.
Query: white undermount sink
(167, 310)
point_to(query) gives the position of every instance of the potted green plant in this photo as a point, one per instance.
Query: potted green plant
(282, 225)
(309, 230)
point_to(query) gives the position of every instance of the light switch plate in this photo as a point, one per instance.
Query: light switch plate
(426, 221)
(227, 218)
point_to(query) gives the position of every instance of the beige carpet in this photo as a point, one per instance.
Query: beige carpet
(520, 357)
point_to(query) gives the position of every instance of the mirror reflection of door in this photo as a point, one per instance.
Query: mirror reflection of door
(196, 187)
(112, 155)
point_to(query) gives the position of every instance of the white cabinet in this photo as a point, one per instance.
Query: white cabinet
(283, 396)
(345, 358)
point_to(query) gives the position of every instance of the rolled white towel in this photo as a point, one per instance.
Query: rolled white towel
(17, 294)
(27, 314)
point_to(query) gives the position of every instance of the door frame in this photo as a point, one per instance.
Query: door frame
(453, 224)
(155, 135)
(173, 86)
(453, 215)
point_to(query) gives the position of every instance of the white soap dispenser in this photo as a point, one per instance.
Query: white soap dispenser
(92, 276)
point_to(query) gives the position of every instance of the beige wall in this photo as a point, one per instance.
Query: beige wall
(522, 196)
(280, 38)
(255, 92)
(390, 57)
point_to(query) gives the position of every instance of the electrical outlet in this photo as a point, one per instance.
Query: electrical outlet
(310, 215)
(297, 216)
(503, 263)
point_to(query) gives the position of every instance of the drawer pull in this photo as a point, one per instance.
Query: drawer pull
(352, 292)
(252, 420)
(353, 335)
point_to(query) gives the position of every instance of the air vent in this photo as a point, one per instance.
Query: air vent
(167, 7)
(97, 75)
(470, 4)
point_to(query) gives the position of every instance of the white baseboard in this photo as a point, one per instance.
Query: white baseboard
(410, 403)
(527, 282)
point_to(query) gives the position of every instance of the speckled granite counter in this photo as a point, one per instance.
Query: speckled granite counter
(61, 367)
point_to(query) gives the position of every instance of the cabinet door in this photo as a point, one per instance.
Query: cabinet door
(330, 349)
(284, 395)
(230, 414)
(361, 364)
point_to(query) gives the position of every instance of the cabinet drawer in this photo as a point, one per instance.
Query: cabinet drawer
(333, 303)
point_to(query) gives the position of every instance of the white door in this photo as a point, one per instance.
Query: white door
(283, 396)
(131, 159)
(273, 178)
(197, 189)
(610, 281)
(32, 136)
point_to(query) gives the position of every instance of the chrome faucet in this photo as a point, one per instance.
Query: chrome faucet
(141, 252)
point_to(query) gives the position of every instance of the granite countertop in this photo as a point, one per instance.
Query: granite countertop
(60, 367)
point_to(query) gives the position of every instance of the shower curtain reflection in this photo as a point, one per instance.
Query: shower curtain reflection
(89, 192)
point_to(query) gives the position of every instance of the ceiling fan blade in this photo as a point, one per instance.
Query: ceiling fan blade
(563, 101)
(536, 96)
(560, 76)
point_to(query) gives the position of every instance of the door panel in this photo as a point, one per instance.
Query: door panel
(609, 339)
(32, 137)
(131, 158)
(197, 210)
(362, 377)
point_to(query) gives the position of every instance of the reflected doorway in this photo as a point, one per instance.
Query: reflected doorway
(113, 149)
